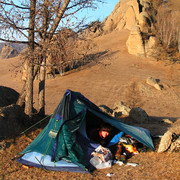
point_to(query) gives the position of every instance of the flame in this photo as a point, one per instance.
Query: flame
(131, 148)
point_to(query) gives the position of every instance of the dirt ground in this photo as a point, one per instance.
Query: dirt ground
(106, 81)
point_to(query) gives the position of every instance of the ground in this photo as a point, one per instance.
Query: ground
(107, 81)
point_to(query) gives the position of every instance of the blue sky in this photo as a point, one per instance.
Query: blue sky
(102, 12)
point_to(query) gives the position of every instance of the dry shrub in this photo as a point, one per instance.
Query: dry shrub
(167, 29)
(66, 51)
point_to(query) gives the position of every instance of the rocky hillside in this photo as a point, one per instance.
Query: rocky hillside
(10, 50)
(152, 24)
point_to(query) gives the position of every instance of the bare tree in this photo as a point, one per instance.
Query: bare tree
(35, 22)
(168, 27)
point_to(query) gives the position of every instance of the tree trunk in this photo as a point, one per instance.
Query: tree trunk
(21, 99)
(29, 80)
(41, 94)
(29, 89)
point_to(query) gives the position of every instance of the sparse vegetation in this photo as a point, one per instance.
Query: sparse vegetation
(167, 30)
(105, 84)
(132, 94)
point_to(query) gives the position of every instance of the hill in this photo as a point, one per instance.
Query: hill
(106, 81)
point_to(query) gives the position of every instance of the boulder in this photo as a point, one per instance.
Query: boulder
(8, 52)
(175, 146)
(170, 142)
(153, 82)
(7, 96)
(135, 43)
(165, 142)
(139, 115)
(11, 120)
(121, 108)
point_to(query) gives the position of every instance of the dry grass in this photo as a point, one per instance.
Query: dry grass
(151, 165)
(174, 4)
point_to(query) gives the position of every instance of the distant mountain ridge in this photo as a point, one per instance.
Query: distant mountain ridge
(17, 46)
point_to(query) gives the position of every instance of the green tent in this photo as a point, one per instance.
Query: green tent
(59, 145)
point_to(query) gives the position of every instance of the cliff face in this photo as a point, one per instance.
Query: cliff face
(128, 14)
(139, 16)
(136, 16)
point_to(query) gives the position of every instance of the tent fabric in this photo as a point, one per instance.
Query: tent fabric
(39, 160)
(64, 139)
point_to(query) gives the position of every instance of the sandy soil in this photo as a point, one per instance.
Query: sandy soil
(106, 81)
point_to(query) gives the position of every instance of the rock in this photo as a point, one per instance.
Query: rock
(145, 3)
(11, 120)
(158, 87)
(151, 81)
(124, 16)
(144, 22)
(151, 47)
(175, 146)
(121, 109)
(167, 121)
(8, 52)
(165, 142)
(135, 43)
(7, 96)
(139, 115)
(106, 109)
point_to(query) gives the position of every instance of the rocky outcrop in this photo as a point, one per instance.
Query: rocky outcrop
(170, 141)
(124, 16)
(135, 43)
(135, 16)
(8, 52)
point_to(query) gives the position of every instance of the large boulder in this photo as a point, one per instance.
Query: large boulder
(170, 141)
(139, 115)
(7, 96)
(165, 142)
(8, 52)
(11, 120)
(135, 43)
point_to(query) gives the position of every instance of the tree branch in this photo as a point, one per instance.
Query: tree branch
(13, 41)
(12, 4)
(58, 18)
